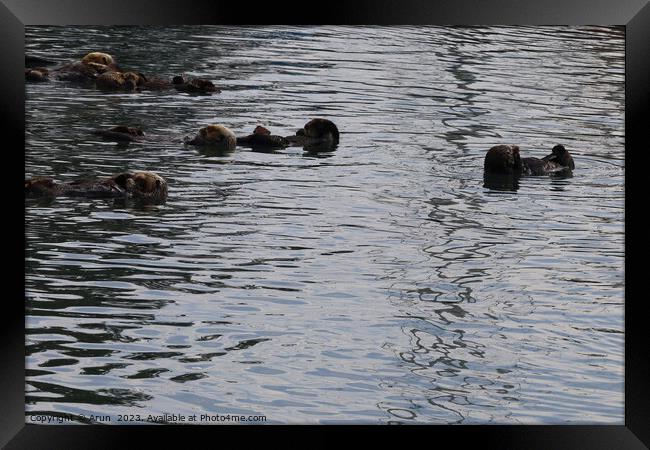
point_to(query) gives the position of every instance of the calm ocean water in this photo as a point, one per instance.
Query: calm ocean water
(379, 283)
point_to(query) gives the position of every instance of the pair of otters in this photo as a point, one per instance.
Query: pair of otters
(505, 160)
(152, 188)
(101, 70)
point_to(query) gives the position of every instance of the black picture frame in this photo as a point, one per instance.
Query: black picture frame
(633, 14)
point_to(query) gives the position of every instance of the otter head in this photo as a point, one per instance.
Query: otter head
(322, 130)
(215, 135)
(142, 185)
(261, 130)
(561, 156)
(147, 182)
(40, 187)
(503, 159)
(98, 58)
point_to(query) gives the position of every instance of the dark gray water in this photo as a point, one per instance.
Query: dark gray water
(382, 282)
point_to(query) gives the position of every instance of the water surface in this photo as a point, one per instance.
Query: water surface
(379, 283)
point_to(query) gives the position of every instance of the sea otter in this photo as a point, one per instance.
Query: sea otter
(506, 160)
(216, 136)
(88, 69)
(141, 185)
(317, 135)
(559, 161)
(503, 159)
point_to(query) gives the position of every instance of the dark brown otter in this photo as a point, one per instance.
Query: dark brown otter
(505, 159)
(316, 135)
(560, 160)
(112, 80)
(141, 185)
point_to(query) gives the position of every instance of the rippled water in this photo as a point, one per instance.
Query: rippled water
(382, 282)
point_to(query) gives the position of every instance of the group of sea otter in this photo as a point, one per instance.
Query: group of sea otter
(99, 69)
(316, 135)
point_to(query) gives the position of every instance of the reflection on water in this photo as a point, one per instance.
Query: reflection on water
(386, 281)
(500, 182)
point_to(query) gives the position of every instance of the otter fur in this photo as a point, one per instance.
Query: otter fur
(129, 81)
(217, 136)
(262, 138)
(98, 58)
(316, 135)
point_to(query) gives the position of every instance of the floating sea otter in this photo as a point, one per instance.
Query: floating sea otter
(317, 135)
(101, 70)
(141, 185)
(87, 70)
(505, 159)
(503, 166)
